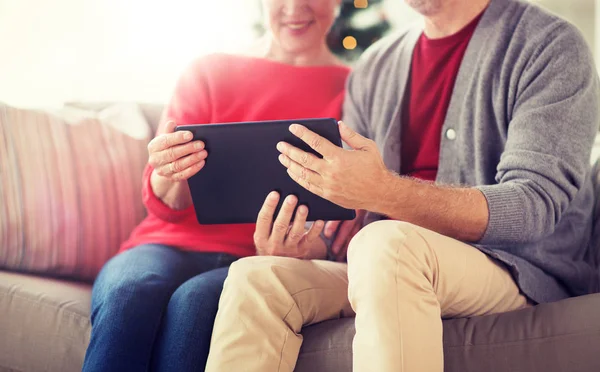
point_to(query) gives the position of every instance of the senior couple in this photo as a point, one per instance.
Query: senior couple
(467, 139)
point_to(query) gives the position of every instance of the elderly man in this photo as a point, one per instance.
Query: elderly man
(494, 100)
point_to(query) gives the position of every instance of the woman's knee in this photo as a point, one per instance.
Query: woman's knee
(124, 279)
(202, 290)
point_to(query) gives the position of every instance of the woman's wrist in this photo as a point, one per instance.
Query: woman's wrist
(176, 195)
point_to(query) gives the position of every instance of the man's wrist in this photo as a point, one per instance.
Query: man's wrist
(388, 197)
(318, 251)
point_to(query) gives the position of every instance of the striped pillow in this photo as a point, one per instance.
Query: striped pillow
(70, 187)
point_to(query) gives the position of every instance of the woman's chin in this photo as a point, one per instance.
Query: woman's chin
(301, 45)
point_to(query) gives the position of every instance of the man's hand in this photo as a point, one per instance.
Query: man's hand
(345, 232)
(279, 238)
(353, 179)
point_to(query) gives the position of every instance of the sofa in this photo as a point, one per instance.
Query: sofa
(44, 323)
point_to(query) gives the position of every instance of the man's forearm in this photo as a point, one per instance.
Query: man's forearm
(460, 213)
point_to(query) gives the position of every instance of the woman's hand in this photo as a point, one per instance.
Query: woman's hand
(345, 232)
(279, 238)
(174, 155)
(174, 158)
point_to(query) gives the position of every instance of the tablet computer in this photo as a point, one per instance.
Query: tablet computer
(242, 168)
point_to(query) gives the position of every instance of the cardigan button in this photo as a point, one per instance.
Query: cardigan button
(451, 134)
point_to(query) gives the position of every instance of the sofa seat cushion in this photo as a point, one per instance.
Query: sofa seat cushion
(561, 336)
(557, 337)
(44, 323)
(45, 327)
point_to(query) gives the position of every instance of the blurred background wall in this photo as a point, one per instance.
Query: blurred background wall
(54, 51)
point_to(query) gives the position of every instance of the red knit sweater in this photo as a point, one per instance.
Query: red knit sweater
(224, 88)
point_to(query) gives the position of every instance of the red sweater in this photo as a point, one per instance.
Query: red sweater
(224, 88)
(435, 65)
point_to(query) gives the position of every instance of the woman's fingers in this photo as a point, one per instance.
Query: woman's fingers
(174, 153)
(341, 255)
(171, 146)
(183, 163)
(297, 230)
(315, 231)
(168, 140)
(188, 172)
(282, 222)
(342, 236)
(331, 227)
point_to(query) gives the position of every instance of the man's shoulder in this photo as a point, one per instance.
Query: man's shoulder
(533, 26)
(388, 52)
(535, 38)
(531, 15)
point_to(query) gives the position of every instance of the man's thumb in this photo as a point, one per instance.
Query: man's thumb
(353, 139)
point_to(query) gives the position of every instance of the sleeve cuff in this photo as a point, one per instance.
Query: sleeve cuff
(328, 243)
(506, 214)
(156, 206)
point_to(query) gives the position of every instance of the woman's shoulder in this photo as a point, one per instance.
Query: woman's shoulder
(213, 62)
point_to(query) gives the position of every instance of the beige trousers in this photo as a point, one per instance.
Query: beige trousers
(399, 282)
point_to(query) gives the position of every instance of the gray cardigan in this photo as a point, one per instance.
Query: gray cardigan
(520, 128)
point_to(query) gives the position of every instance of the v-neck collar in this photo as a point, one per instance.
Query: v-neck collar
(391, 149)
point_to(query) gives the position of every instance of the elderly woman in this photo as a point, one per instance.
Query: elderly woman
(154, 304)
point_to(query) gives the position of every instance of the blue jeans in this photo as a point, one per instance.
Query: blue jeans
(153, 308)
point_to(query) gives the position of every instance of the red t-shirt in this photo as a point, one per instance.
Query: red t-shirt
(224, 88)
(434, 67)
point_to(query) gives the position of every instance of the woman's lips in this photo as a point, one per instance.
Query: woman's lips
(298, 27)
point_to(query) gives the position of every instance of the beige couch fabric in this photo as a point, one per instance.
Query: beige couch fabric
(44, 324)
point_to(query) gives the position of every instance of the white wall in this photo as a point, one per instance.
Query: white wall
(597, 34)
(53, 51)
(58, 50)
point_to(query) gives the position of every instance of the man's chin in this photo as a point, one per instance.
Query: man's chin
(426, 8)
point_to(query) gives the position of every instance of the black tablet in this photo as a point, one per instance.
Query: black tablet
(243, 167)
